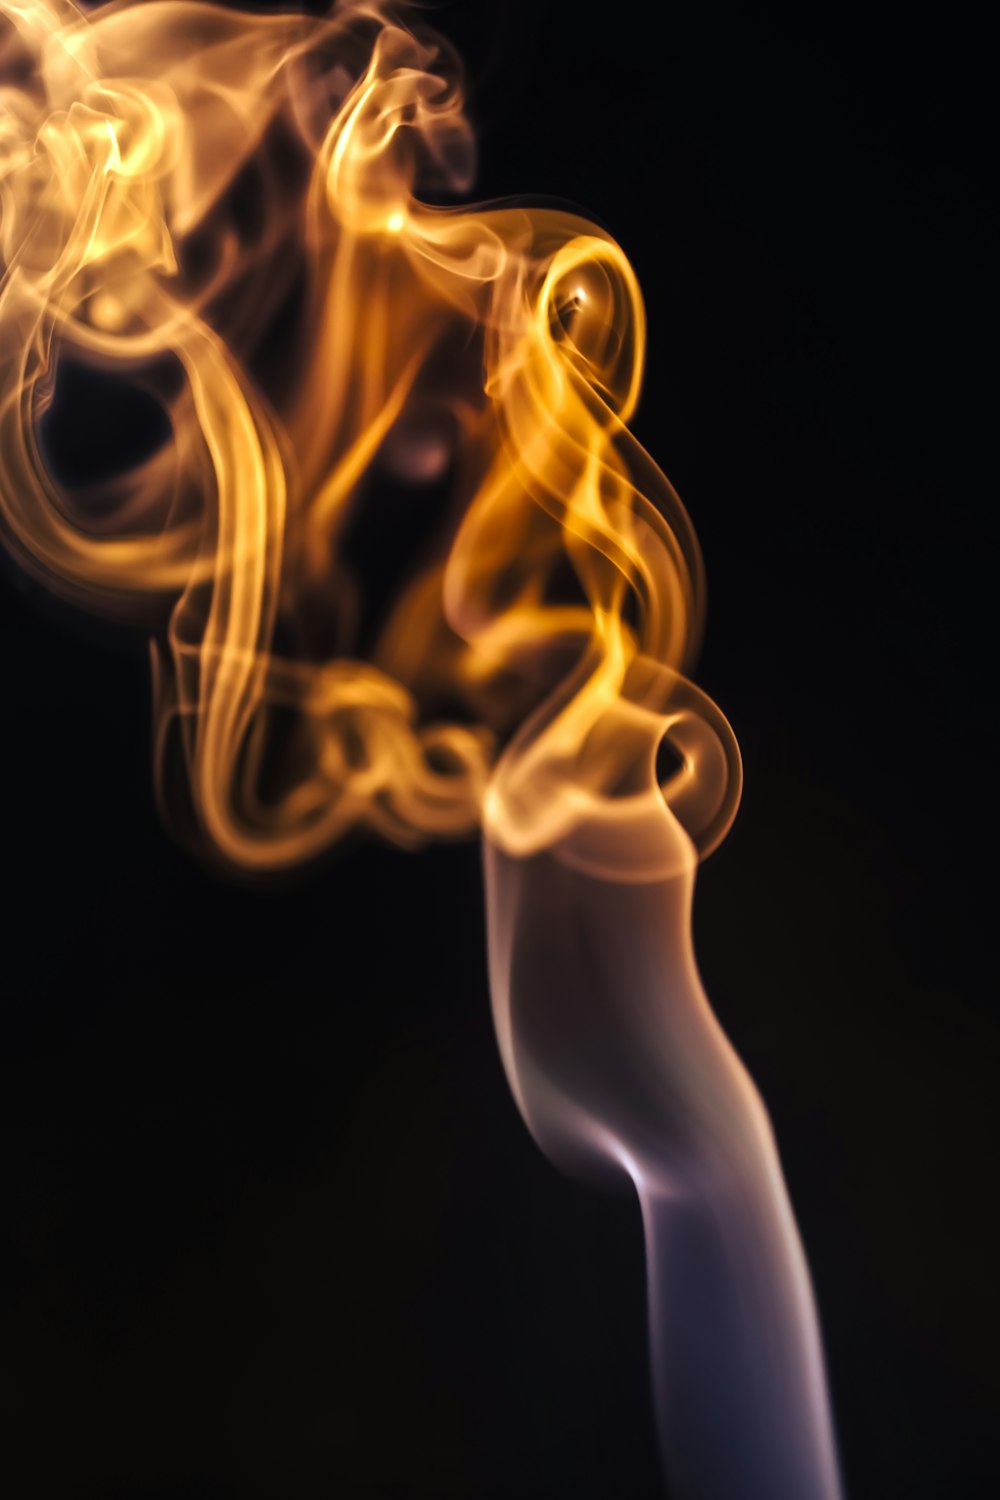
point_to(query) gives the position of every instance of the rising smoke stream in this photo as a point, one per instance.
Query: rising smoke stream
(241, 214)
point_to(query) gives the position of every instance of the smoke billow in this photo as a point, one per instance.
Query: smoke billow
(403, 567)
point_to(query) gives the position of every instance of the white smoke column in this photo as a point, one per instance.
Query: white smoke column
(619, 1065)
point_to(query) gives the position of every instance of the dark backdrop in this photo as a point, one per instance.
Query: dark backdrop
(271, 1224)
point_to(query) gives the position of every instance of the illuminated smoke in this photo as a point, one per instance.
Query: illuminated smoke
(231, 212)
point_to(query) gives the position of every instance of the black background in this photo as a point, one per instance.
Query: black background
(271, 1224)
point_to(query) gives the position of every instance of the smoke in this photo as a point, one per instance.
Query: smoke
(621, 1070)
(232, 212)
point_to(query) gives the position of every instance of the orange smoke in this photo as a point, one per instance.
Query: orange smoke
(234, 212)
(496, 349)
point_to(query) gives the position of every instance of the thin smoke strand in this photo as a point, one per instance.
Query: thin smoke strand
(622, 1072)
(527, 670)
